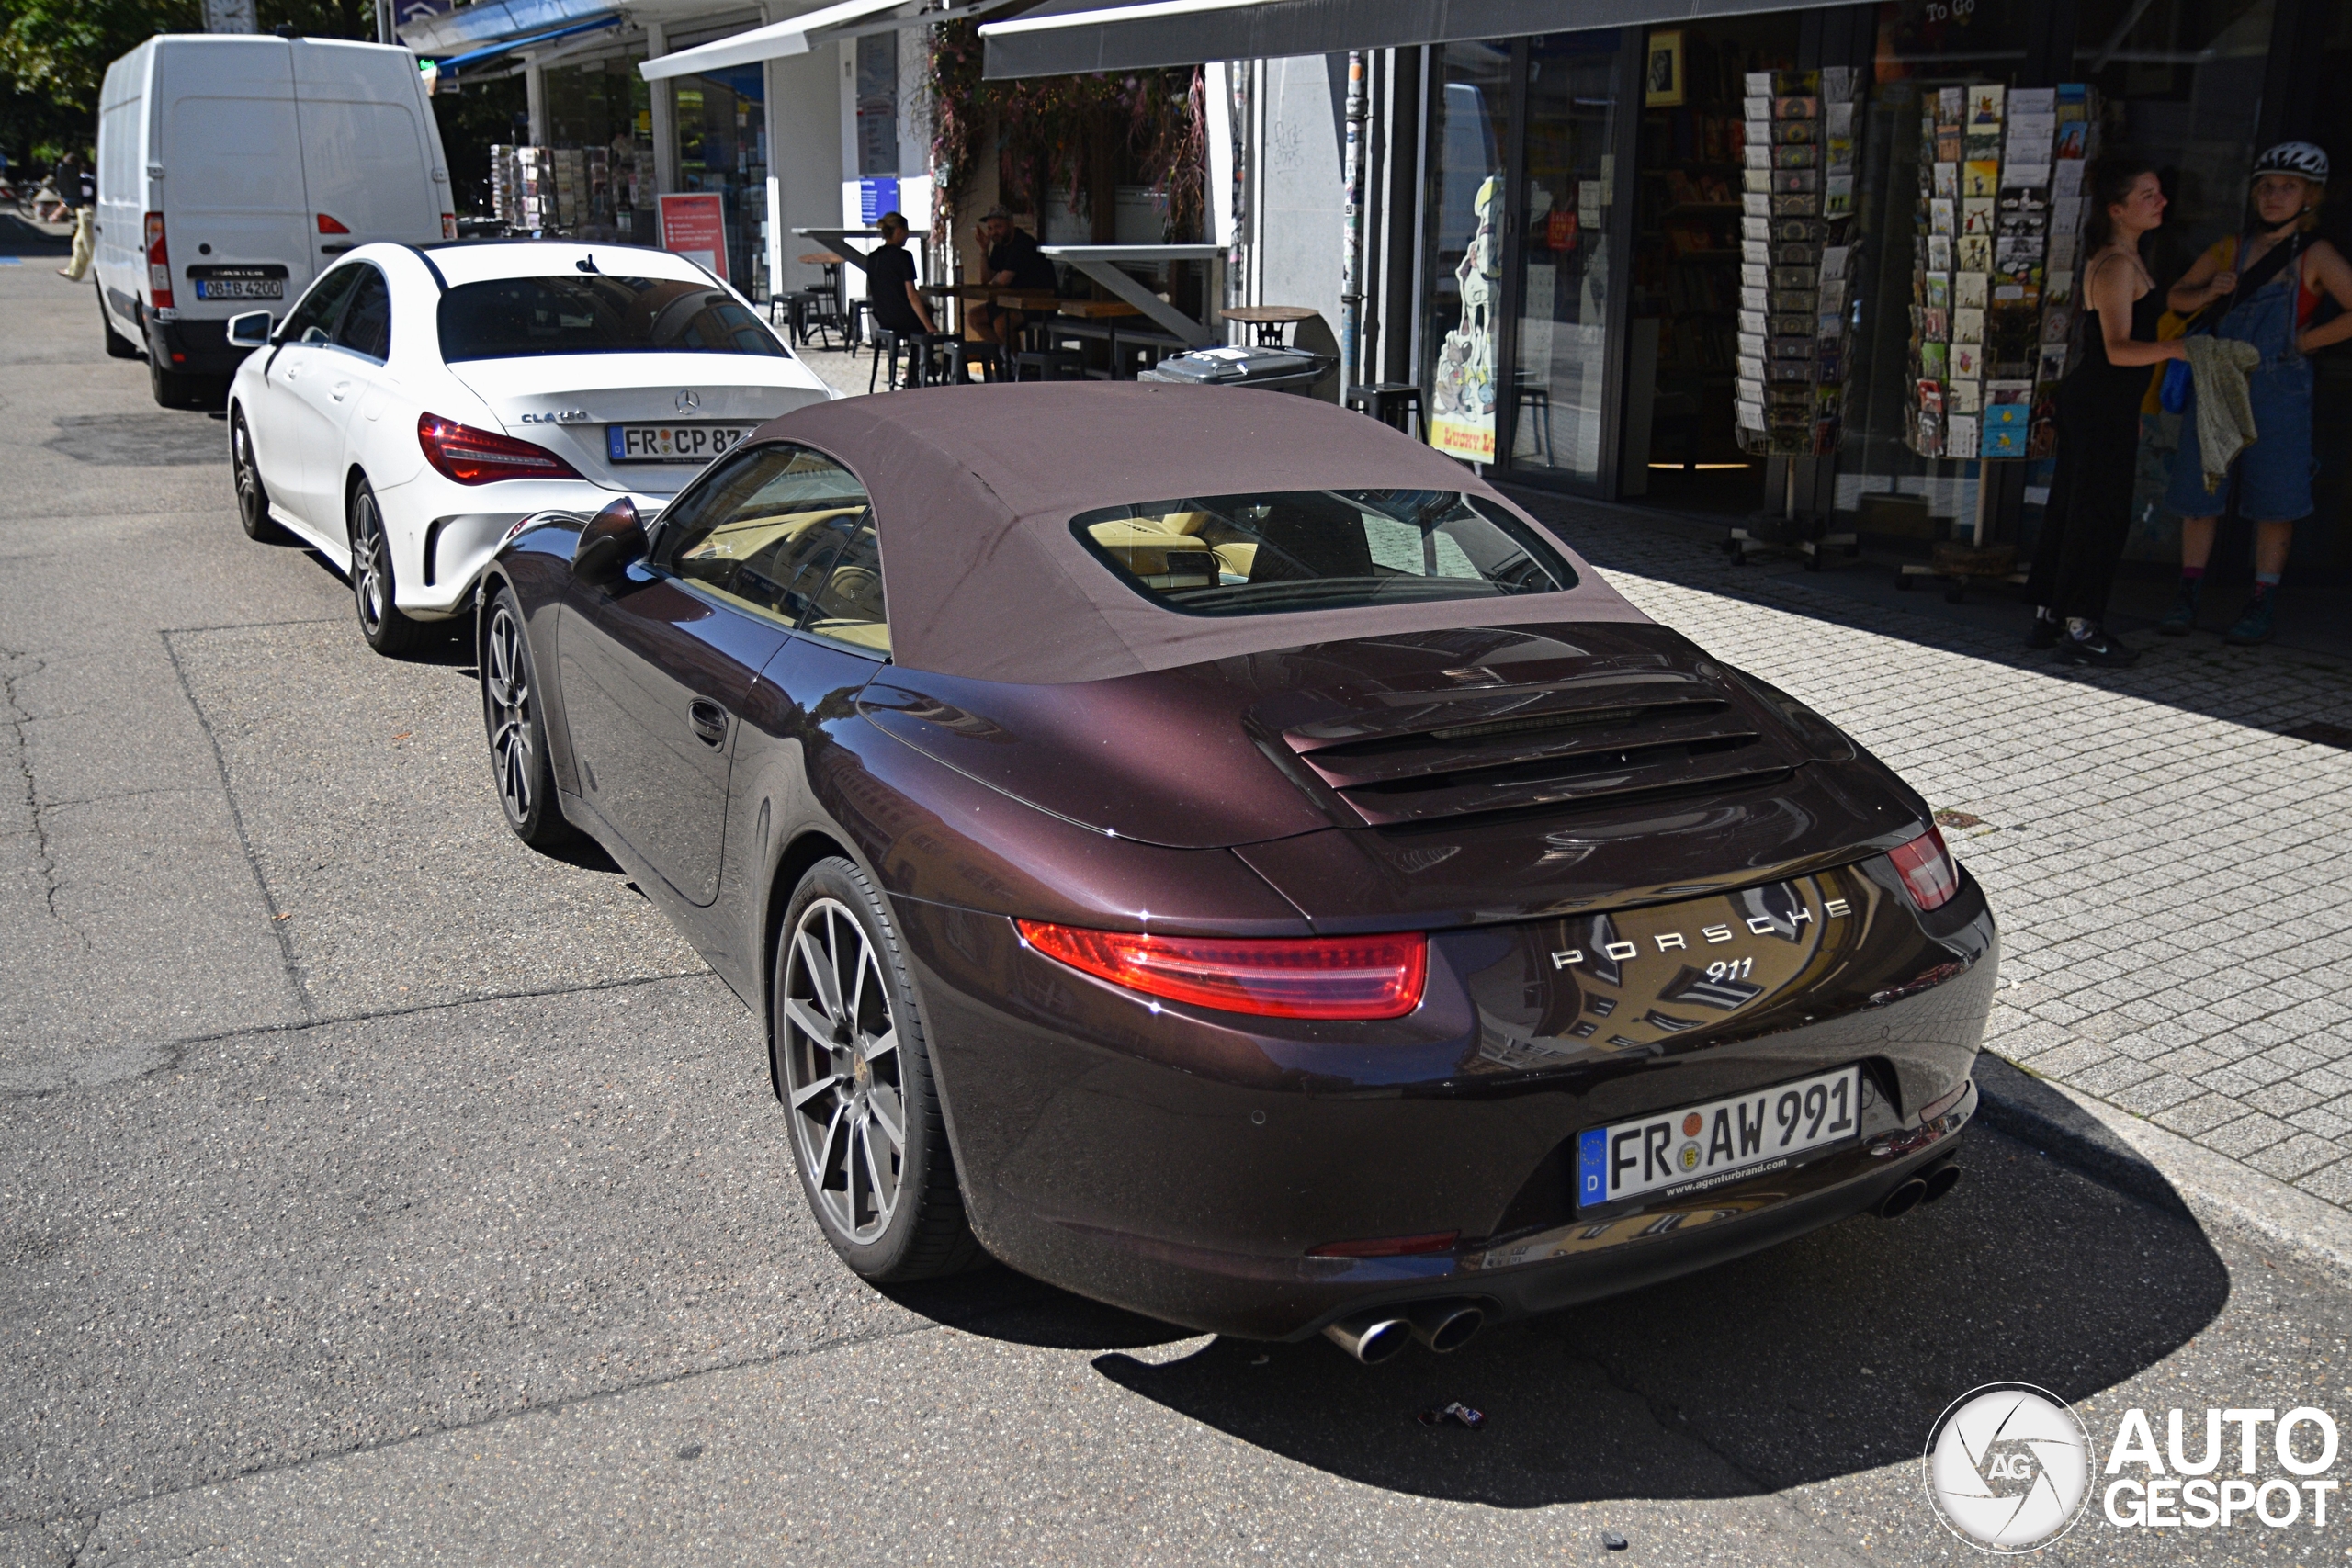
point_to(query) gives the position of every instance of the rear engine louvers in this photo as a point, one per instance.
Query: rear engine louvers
(1548, 752)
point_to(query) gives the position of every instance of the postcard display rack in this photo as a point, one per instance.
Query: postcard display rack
(1797, 258)
(1993, 292)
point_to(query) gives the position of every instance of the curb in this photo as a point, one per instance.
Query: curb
(2137, 1157)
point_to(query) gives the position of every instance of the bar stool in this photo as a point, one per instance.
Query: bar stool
(1390, 402)
(1051, 364)
(886, 345)
(959, 354)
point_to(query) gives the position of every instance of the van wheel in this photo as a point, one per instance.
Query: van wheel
(118, 345)
(174, 389)
(388, 631)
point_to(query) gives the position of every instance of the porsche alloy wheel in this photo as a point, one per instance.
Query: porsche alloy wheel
(867, 1131)
(252, 499)
(849, 1106)
(518, 734)
(380, 622)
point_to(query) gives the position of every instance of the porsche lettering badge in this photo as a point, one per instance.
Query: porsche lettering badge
(1711, 935)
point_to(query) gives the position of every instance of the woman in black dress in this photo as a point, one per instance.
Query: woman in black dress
(2089, 511)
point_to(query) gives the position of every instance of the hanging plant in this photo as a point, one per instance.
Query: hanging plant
(1054, 129)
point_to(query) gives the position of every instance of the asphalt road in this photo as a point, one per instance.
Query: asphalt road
(375, 1191)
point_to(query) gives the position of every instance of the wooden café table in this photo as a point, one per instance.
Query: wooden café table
(1270, 320)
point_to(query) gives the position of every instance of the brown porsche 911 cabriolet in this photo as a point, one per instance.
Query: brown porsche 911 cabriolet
(1213, 852)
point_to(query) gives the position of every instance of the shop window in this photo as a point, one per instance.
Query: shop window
(1563, 309)
(722, 149)
(1682, 438)
(878, 104)
(1468, 128)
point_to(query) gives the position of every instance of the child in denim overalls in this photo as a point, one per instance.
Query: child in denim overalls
(2274, 475)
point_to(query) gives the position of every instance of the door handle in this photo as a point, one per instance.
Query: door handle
(708, 720)
(340, 390)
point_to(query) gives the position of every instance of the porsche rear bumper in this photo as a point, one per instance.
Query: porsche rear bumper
(1184, 1168)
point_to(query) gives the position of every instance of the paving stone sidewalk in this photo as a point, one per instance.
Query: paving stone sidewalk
(2171, 874)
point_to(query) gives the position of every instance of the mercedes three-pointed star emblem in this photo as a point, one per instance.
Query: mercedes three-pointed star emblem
(689, 402)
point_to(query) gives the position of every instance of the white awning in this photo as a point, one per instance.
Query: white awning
(1062, 36)
(777, 40)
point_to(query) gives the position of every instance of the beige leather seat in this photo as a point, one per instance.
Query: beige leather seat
(1143, 545)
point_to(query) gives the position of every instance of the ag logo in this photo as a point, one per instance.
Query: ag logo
(2009, 1467)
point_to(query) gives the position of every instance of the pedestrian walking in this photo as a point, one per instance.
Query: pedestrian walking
(2262, 287)
(77, 184)
(2089, 509)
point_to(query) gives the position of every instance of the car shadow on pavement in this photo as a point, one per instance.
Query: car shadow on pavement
(1829, 1356)
(997, 1303)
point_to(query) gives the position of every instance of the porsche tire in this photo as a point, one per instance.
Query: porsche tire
(388, 631)
(868, 1133)
(514, 721)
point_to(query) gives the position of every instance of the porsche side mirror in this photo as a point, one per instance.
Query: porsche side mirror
(250, 330)
(613, 538)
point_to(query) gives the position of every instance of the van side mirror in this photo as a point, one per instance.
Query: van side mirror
(250, 330)
(613, 538)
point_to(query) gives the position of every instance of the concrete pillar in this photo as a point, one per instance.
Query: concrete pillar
(534, 94)
(665, 115)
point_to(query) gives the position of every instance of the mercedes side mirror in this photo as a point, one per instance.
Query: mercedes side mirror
(613, 538)
(250, 330)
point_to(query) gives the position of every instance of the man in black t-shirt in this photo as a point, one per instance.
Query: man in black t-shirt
(896, 303)
(1013, 262)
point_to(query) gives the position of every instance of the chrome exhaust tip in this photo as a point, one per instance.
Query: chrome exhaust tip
(1940, 1180)
(1901, 1201)
(1370, 1337)
(1445, 1325)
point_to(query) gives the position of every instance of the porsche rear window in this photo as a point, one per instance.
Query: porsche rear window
(1285, 551)
(513, 318)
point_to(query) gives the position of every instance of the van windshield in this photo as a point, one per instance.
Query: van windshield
(514, 318)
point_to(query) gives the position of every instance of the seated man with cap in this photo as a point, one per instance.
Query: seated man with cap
(1013, 262)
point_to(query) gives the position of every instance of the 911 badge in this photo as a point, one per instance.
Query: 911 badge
(1711, 935)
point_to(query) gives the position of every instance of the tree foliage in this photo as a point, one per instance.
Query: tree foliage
(54, 55)
(1064, 132)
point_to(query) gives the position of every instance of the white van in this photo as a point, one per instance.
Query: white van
(232, 169)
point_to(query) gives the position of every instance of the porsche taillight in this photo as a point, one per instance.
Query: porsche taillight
(1925, 868)
(159, 265)
(1319, 977)
(473, 456)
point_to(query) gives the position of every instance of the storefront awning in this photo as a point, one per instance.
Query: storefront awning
(1064, 36)
(493, 51)
(490, 21)
(777, 40)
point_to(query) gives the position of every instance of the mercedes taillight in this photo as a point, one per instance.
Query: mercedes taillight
(473, 456)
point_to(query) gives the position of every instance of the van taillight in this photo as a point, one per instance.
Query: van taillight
(159, 266)
(330, 226)
(449, 225)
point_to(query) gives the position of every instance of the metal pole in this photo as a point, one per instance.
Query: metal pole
(1351, 290)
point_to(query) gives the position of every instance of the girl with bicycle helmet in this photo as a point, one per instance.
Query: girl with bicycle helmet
(2263, 288)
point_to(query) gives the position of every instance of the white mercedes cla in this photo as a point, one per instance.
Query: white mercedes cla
(417, 402)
